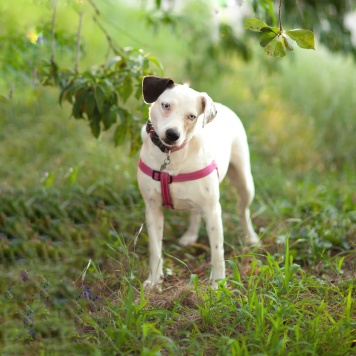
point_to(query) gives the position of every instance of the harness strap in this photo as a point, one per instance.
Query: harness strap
(167, 179)
(166, 193)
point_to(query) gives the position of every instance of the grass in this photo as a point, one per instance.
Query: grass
(73, 251)
(91, 299)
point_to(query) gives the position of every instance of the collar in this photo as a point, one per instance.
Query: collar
(156, 141)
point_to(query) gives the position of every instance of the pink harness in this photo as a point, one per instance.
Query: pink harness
(167, 179)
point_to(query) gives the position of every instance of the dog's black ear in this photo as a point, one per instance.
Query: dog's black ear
(153, 87)
(208, 108)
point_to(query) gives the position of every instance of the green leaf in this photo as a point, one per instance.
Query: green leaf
(134, 125)
(113, 61)
(135, 144)
(138, 93)
(304, 38)
(155, 61)
(77, 110)
(286, 43)
(109, 84)
(89, 104)
(109, 116)
(66, 93)
(276, 30)
(120, 134)
(254, 24)
(145, 64)
(54, 71)
(267, 35)
(72, 176)
(99, 94)
(95, 124)
(275, 48)
(125, 89)
(121, 129)
(123, 114)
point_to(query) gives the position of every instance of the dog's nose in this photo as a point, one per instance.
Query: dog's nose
(172, 135)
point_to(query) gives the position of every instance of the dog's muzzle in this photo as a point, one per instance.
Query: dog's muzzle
(169, 147)
(172, 136)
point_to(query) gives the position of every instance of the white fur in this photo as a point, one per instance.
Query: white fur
(223, 140)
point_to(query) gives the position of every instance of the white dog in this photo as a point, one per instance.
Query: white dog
(189, 145)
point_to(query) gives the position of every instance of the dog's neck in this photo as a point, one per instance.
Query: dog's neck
(156, 141)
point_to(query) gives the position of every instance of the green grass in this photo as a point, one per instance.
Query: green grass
(71, 282)
(73, 251)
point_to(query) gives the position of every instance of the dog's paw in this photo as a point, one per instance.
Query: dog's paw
(215, 284)
(253, 240)
(150, 286)
(187, 240)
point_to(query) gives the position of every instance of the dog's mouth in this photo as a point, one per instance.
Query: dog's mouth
(176, 145)
(169, 143)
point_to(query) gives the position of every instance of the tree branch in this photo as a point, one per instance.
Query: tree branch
(108, 38)
(96, 20)
(78, 41)
(279, 16)
(55, 2)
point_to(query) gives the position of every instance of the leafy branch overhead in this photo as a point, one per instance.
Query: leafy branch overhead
(277, 41)
(100, 94)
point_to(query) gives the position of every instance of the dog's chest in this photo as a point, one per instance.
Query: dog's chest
(195, 194)
(186, 195)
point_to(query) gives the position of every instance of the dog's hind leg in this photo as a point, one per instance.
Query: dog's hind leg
(191, 235)
(240, 175)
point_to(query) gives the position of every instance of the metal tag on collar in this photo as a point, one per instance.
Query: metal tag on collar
(166, 162)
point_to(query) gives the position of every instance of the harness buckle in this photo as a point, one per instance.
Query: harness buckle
(156, 175)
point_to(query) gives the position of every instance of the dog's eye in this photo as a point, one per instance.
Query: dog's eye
(166, 106)
(191, 117)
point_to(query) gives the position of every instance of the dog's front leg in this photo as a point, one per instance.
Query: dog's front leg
(214, 228)
(154, 222)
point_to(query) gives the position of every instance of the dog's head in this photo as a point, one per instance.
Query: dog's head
(176, 109)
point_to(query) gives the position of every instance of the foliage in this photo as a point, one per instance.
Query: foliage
(98, 94)
(327, 19)
(275, 40)
(101, 94)
(94, 94)
(208, 41)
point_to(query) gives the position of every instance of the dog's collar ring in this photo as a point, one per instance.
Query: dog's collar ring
(166, 162)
